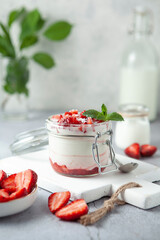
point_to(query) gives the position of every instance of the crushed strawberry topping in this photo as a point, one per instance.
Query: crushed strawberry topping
(74, 117)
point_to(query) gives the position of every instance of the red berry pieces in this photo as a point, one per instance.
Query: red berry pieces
(147, 150)
(133, 151)
(67, 113)
(26, 179)
(4, 195)
(9, 183)
(3, 176)
(58, 200)
(81, 114)
(58, 117)
(18, 194)
(89, 120)
(73, 211)
(73, 111)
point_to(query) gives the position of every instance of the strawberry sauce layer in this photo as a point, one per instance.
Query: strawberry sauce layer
(77, 172)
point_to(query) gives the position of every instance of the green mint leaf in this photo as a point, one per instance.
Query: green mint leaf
(58, 31)
(91, 113)
(43, 59)
(14, 15)
(29, 41)
(17, 76)
(94, 114)
(114, 117)
(104, 109)
(31, 23)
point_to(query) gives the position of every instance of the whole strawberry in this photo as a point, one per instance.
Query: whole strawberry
(133, 151)
(147, 150)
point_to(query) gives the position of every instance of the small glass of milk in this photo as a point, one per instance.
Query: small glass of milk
(134, 128)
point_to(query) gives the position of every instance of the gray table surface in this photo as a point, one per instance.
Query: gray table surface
(123, 223)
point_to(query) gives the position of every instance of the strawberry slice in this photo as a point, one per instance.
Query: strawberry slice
(73, 210)
(9, 183)
(74, 111)
(147, 150)
(57, 117)
(4, 195)
(58, 200)
(18, 194)
(3, 176)
(133, 151)
(89, 120)
(26, 179)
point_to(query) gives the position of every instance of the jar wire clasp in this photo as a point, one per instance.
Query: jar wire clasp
(110, 167)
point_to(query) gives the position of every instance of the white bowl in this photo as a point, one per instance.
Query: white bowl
(18, 205)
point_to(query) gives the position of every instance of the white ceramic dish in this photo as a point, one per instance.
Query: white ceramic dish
(18, 205)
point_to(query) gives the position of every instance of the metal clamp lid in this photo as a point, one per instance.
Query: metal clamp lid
(108, 142)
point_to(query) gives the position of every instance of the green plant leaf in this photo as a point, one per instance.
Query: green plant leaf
(6, 45)
(114, 117)
(44, 59)
(17, 76)
(29, 41)
(14, 15)
(104, 109)
(31, 23)
(58, 31)
(3, 47)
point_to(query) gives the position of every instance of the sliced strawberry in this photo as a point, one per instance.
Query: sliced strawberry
(73, 111)
(26, 179)
(4, 195)
(18, 194)
(133, 150)
(67, 113)
(58, 117)
(9, 183)
(89, 120)
(147, 150)
(3, 176)
(81, 114)
(58, 200)
(73, 210)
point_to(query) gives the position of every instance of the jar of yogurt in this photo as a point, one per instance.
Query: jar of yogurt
(134, 128)
(80, 146)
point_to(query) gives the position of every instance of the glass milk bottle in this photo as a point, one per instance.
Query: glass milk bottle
(140, 68)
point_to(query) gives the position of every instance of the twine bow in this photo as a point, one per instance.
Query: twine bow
(93, 217)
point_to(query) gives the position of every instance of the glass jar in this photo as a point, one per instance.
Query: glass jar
(134, 128)
(81, 150)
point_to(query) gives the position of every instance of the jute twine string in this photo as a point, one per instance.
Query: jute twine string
(108, 205)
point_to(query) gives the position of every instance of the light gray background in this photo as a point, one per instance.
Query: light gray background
(87, 63)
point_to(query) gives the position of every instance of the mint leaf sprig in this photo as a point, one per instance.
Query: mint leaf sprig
(103, 115)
